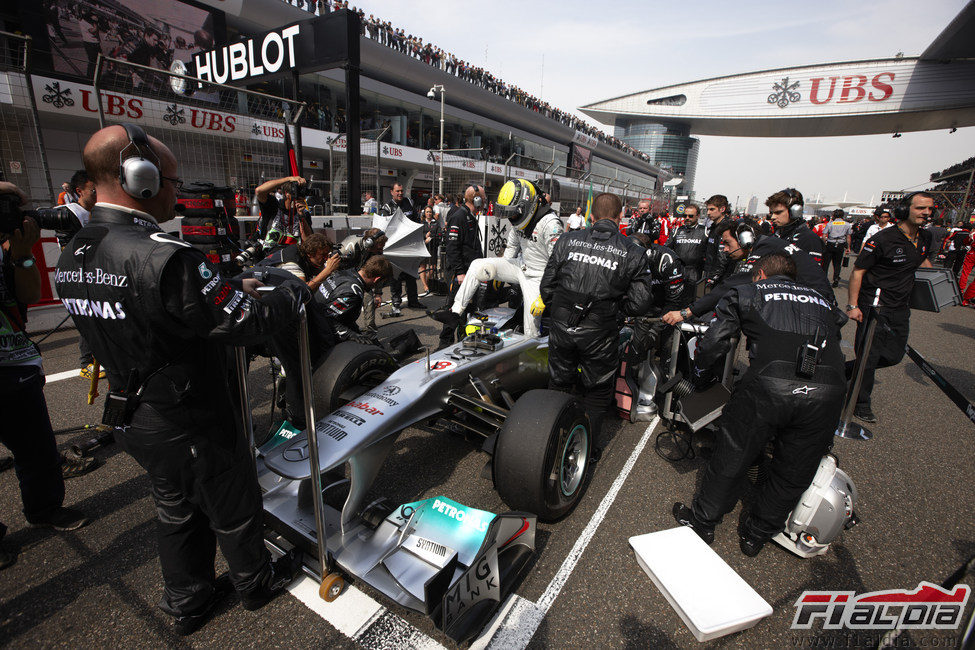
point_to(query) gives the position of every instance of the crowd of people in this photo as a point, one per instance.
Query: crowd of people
(396, 38)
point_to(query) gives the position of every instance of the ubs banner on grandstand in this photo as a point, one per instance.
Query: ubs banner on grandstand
(78, 99)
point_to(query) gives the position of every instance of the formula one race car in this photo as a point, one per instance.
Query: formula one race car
(436, 556)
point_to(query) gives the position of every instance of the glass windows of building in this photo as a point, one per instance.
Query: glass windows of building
(668, 145)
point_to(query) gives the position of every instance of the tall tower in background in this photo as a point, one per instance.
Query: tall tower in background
(669, 145)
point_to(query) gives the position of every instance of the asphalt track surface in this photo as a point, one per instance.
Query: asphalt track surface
(99, 586)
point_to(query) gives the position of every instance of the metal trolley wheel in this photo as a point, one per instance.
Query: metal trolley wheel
(332, 587)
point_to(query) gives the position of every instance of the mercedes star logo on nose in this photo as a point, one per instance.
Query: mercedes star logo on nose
(296, 451)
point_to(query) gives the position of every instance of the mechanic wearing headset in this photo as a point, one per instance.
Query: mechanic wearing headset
(887, 262)
(785, 210)
(670, 290)
(355, 251)
(743, 247)
(592, 277)
(791, 395)
(158, 317)
(535, 227)
(332, 314)
(463, 246)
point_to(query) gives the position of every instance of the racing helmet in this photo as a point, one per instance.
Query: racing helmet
(518, 202)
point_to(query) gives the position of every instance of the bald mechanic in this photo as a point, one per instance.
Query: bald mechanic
(159, 318)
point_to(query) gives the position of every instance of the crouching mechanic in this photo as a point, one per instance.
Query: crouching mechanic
(159, 318)
(356, 250)
(332, 316)
(791, 395)
(535, 227)
(592, 277)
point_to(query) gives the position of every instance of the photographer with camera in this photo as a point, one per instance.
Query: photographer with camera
(159, 317)
(65, 220)
(295, 221)
(26, 430)
(311, 260)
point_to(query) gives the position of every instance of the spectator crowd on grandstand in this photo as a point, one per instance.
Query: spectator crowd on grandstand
(383, 32)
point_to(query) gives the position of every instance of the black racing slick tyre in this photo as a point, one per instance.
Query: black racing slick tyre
(348, 371)
(542, 454)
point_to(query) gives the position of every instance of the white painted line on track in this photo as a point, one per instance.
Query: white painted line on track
(362, 619)
(518, 627)
(67, 374)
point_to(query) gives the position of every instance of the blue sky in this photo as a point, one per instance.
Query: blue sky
(573, 53)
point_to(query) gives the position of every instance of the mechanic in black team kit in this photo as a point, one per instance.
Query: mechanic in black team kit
(887, 262)
(159, 321)
(715, 261)
(785, 210)
(593, 276)
(744, 246)
(791, 395)
(688, 241)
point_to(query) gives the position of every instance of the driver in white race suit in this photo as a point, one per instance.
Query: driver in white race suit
(535, 229)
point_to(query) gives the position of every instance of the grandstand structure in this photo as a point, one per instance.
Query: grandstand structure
(953, 189)
(935, 90)
(358, 111)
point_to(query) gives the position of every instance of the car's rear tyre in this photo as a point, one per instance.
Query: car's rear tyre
(350, 370)
(542, 454)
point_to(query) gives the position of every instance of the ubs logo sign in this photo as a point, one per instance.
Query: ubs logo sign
(841, 90)
(784, 93)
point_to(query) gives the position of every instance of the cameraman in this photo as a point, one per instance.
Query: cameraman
(295, 222)
(67, 219)
(26, 430)
(308, 261)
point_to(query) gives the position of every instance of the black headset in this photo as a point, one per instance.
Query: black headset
(139, 177)
(477, 200)
(795, 203)
(745, 235)
(370, 241)
(902, 208)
